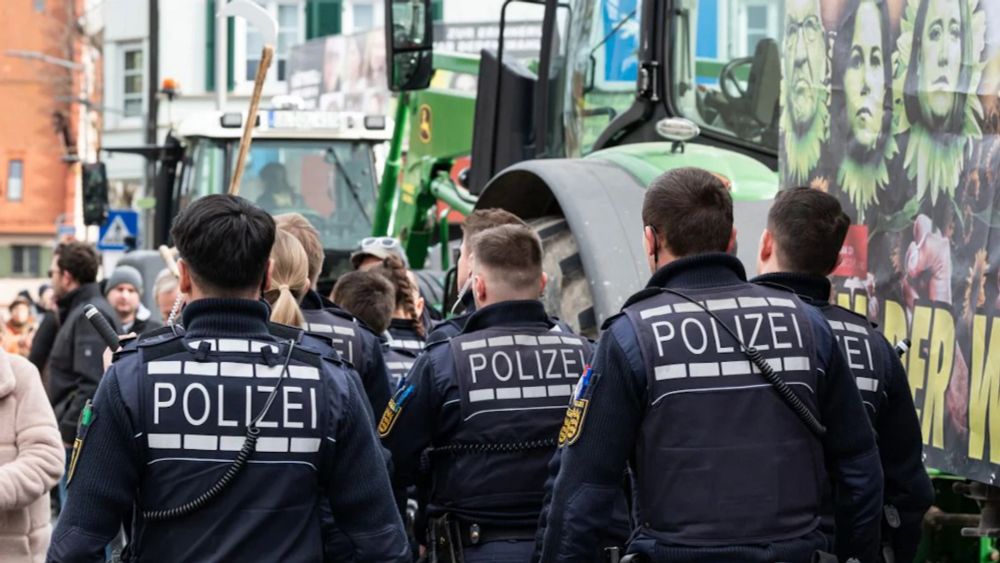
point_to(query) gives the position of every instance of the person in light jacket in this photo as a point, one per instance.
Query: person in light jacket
(31, 461)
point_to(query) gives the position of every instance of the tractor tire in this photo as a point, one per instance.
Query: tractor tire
(567, 293)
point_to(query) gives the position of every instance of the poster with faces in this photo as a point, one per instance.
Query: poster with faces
(892, 106)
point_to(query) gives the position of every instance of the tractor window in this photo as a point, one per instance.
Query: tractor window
(205, 171)
(726, 66)
(602, 65)
(331, 183)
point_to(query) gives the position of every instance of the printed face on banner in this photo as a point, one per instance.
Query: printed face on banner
(805, 63)
(864, 77)
(939, 59)
(908, 140)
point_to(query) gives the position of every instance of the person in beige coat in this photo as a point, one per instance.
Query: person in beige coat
(32, 460)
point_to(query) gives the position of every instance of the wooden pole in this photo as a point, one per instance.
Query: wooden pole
(168, 257)
(258, 85)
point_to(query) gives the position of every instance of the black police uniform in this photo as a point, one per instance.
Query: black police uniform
(885, 391)
(356, 343)
(725, 469)
(451, 327)
(167, 423)
(488, 403)
(401, 347)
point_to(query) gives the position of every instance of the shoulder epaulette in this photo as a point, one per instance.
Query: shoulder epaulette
(640, 295)
(285, 331)
(610, 320)
(858, 315)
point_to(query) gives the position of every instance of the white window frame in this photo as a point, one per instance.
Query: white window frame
(374, 11)
(244, 85)
(124, 49)
(739, 47)
(15, 195)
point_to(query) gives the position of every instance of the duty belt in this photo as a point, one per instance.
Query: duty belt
(473, 534)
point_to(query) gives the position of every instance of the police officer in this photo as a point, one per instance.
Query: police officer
(729, 398)
(798, 250)
(221, 439)
(488, 403)
(475, 223)
(405, 336)
(355, 342)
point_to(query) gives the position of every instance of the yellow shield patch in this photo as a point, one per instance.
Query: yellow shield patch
(573, 423)
(388, 418)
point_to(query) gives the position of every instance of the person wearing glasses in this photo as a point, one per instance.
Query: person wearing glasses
(805, 116)
(75, 364)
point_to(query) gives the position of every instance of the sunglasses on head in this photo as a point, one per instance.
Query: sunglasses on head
(384, 242)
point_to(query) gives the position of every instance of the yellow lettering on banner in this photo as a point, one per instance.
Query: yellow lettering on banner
(894, 323)
(984, 391)
(939, 366)
(916, 364)
(859, 306)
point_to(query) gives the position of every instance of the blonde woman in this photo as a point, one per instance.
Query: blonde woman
(289, 279)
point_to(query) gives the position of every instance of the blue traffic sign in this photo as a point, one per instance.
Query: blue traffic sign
(121, 224)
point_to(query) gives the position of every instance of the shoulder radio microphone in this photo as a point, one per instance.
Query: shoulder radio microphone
(102, 326)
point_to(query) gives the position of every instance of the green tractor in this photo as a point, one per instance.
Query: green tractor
(617, 97)
(623, 90)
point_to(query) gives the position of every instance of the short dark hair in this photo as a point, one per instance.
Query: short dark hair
(79, 259)
(368, 296)
(226, 240)
(808, 227)
(514, 250)
(482, 219)
(691, 210)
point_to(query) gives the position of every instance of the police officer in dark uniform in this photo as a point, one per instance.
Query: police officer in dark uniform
(220, 439)
(799, 249)
(355, 342)
(403, 343)
(730, 400)
(488, 403)
(473, 224)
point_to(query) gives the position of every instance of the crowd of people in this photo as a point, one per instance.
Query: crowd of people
(716, 419)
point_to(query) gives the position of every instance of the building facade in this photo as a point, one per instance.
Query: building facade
(51, 94)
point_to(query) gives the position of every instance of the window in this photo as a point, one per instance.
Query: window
(760, 22)
(290, 32)
(15, 180)
(718, 82)
(26, 261)
(364, 16)
(132, 89)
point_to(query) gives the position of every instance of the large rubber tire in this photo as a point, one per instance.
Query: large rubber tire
(567, 294)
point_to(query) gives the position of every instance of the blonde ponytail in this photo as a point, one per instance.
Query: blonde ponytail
(289, 280)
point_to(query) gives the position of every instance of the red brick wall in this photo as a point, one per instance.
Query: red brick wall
(29, 97)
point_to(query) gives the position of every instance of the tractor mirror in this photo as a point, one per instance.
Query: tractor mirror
(409, 36)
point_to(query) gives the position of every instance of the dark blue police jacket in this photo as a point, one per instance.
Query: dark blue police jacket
(453, 326)
(488, 403)
(725, 470)
(401, 347)
(355, 342)
(885, 392)
(169, 418)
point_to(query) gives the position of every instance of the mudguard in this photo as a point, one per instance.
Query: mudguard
(602, 203)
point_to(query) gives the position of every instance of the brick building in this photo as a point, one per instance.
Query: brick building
(47, 67)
